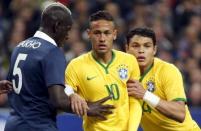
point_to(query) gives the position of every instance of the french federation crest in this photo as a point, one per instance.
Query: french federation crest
(123, 72)
(150, 86)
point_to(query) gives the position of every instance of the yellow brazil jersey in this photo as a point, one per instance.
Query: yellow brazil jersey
(164, 80)
(94, 81)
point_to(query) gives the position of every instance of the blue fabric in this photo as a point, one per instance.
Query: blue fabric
(43, 66)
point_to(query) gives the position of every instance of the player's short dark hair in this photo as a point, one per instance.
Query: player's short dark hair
(101, 15)
(56, 12)
(141, 31)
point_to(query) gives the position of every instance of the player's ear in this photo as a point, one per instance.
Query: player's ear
(114, 34)
(126, 47)
(155, 49)
(56, 27)
(88, 32)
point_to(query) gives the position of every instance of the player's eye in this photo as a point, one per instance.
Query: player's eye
(147, 45)
(97, 32)
(135, 45)
(107, 32)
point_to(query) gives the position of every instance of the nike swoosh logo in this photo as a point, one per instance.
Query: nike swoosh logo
(90, 78)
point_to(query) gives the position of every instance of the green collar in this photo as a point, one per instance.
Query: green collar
(146, 71)
(109, 63)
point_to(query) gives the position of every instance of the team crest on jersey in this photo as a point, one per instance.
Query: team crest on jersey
(123, 71)
(151, 86)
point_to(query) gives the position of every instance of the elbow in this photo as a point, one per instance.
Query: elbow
(181, 114)
(181, 117)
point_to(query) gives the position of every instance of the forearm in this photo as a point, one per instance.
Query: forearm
(64, 104)
(171, 109)
(59, 99)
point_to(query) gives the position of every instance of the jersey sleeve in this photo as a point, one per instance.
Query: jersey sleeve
(135, 114)
(71, 76)
(54, 65)
(172, 83)
(135, 110)
(135, 74)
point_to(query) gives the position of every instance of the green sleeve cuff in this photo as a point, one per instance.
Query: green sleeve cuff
(180, 99)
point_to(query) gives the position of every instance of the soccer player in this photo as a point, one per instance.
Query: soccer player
(37, 71)
(163, 97)
(5, 86)
(102, 72)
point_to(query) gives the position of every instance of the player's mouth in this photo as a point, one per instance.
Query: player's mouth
(102, 46)
(140, 58)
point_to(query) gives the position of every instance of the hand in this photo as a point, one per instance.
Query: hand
(5, 86)
(135, 89)
(97, 109)
(78, 104)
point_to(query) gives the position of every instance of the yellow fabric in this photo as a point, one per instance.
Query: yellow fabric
(94, 81)
(164, 80)
(135, 118)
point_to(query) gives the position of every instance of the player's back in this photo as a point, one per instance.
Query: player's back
(29, 101)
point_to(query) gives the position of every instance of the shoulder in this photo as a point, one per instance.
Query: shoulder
(80, 59)
(165, 68)
(55, 52)
(123, 55)
(165, 65)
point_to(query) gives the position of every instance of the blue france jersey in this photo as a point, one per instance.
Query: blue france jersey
(36, 64)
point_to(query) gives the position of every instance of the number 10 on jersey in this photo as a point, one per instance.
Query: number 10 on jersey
(114, 90)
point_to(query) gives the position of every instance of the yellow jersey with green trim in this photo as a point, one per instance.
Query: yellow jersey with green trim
(164, 80)
(94, 81)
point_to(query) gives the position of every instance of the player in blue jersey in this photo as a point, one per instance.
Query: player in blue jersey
(5, 86)
(37, 72)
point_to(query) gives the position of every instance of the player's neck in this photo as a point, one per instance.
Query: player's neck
(144, 69)
(46, 31)
(103, 58)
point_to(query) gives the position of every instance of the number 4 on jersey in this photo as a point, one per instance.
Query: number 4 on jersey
(17, 71)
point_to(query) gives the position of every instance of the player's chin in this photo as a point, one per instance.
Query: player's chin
(102, 51)
(142, 63)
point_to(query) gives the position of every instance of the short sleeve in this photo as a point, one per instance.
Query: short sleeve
(71, 76)
(54, 65)
(135, 74)
(172, 83)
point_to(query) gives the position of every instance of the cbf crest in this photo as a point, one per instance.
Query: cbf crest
(150, 86)
(122, 71)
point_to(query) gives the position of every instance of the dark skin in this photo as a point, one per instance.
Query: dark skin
(52, 20)
(96, 109)
(56, 23)
(5, 86)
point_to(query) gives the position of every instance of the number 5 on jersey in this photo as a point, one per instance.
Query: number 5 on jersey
(17, 71)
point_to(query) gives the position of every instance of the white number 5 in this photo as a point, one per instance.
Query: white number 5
(17, 71)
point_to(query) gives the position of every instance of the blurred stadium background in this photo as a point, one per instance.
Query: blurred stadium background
(177, 24)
